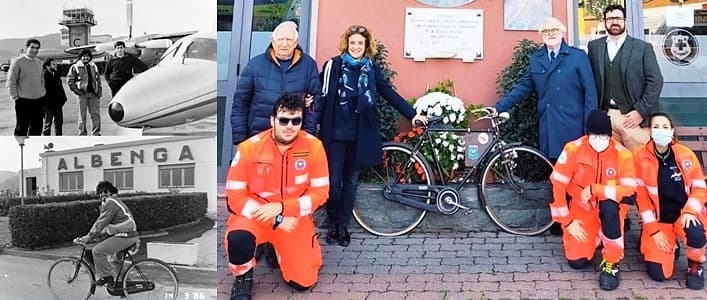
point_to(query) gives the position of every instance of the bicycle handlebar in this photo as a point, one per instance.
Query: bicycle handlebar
(488, 113)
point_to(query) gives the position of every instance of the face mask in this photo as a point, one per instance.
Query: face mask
(598, 144)
(661, 137)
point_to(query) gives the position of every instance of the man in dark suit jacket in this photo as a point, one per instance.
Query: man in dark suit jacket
(628, 79)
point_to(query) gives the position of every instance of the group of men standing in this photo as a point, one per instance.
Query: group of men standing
(36, 88)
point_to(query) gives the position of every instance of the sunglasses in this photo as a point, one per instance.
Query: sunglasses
(359, 29)
(284, 121)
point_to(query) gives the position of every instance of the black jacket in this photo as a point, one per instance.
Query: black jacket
(55, 96)
(120, 69)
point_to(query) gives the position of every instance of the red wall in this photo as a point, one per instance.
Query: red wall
(475, 82)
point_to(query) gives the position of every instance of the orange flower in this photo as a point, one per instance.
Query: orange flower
(411, 134)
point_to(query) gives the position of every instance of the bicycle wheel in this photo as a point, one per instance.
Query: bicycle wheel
(373, 209)
(150, 279)
(70, 278)
(516, 191)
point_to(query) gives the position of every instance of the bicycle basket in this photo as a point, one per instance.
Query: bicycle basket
(477, 144)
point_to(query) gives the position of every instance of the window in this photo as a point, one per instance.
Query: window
(121, 178)
(70, 181)
(181, 175)
(202, 48)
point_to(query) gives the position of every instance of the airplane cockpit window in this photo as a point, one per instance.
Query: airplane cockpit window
(202, 48)
(171, 52)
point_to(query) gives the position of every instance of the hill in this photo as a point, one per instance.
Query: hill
(10, 47)
(9, 180)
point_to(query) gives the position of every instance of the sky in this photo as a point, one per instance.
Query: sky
(10, 149)
(25, 18)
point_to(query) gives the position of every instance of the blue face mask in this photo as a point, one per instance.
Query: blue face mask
(662, 137)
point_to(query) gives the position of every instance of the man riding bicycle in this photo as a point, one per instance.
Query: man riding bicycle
(115, 221)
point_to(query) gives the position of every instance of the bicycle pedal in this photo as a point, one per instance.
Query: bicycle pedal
(468, 211)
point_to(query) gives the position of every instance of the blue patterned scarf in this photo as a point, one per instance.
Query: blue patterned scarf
(348, 85)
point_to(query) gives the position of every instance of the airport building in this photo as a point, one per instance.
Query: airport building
(468, 41)
(165, 164)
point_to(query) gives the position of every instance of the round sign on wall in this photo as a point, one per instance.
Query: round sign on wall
(680, 47)
(445, 3)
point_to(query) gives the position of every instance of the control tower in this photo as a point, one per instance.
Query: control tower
(79, 21)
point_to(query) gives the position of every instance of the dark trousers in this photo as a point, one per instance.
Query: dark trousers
(53, 114)
(343, 180)
(29, 115)
(115, 86)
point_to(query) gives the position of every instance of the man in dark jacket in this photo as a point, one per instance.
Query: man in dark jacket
(282, 69)
(54, 99)
(628, 79)
(120, 68)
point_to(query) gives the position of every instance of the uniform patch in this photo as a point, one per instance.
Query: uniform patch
(687, 164)
(563, 157)
(611, 172)
(300, 164)
(300, 154)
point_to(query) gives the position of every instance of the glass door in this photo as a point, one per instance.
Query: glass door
(244, 29)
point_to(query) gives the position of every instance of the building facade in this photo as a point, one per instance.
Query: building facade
(166, 164)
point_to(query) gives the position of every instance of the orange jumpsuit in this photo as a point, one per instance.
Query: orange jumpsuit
(649, 204)
(299, 180)
(612, 179)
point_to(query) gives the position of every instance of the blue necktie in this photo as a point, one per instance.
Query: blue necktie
(552, 56)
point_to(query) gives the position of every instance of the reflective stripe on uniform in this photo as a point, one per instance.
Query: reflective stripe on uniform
(699, 183)
(300, 179)
(627, 181)
(610, 192)
(236, 185)
(265, 194)
(653, 190)
(647, 217)
(305, 205)
(237, 270)
(249, 207)
(319, 181)
(694, 204)
(559, 212)
(559, 177)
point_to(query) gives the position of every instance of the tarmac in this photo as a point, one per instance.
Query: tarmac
(449, 264)
(203, 272)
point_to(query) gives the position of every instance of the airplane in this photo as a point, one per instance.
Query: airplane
(180, 89)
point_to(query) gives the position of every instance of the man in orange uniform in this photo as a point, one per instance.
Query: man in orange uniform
(593, 183)
(276, 180)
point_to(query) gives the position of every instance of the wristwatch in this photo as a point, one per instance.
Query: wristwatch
(278, 220)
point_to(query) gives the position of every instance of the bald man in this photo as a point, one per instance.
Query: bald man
(283, 69)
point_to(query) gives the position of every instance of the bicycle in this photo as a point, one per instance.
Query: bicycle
(146, 278)
(408, 188)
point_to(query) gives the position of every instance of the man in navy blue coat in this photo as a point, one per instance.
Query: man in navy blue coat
(561, 77)
(283, 69)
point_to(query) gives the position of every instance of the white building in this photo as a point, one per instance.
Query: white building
(181, 163)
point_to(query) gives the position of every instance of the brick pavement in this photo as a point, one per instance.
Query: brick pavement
(446, 264)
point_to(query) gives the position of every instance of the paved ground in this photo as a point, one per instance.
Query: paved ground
(457, 265)
(108, 127)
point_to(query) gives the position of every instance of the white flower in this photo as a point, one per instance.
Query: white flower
(445, 120)
(438, 140)
(455, 166)
(460, 149)
(460, 156)
(451, 148)
(445, 143)
(452, 117)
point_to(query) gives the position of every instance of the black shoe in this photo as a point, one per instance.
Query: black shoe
(344, 236)
(609, 276)
(332, 236)
(556, 229)
(104, 280)
(243, 287)
(695, 280)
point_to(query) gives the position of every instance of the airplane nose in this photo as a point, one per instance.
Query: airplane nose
(115, 110)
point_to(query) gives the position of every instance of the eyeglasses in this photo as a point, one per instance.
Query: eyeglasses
(284, 121)
(601, 137)
(359, 29)
(614, 19)
(550, 31)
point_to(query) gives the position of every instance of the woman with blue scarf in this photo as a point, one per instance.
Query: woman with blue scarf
(350, 124)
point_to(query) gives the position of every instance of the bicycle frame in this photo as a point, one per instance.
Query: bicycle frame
(403, 190)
